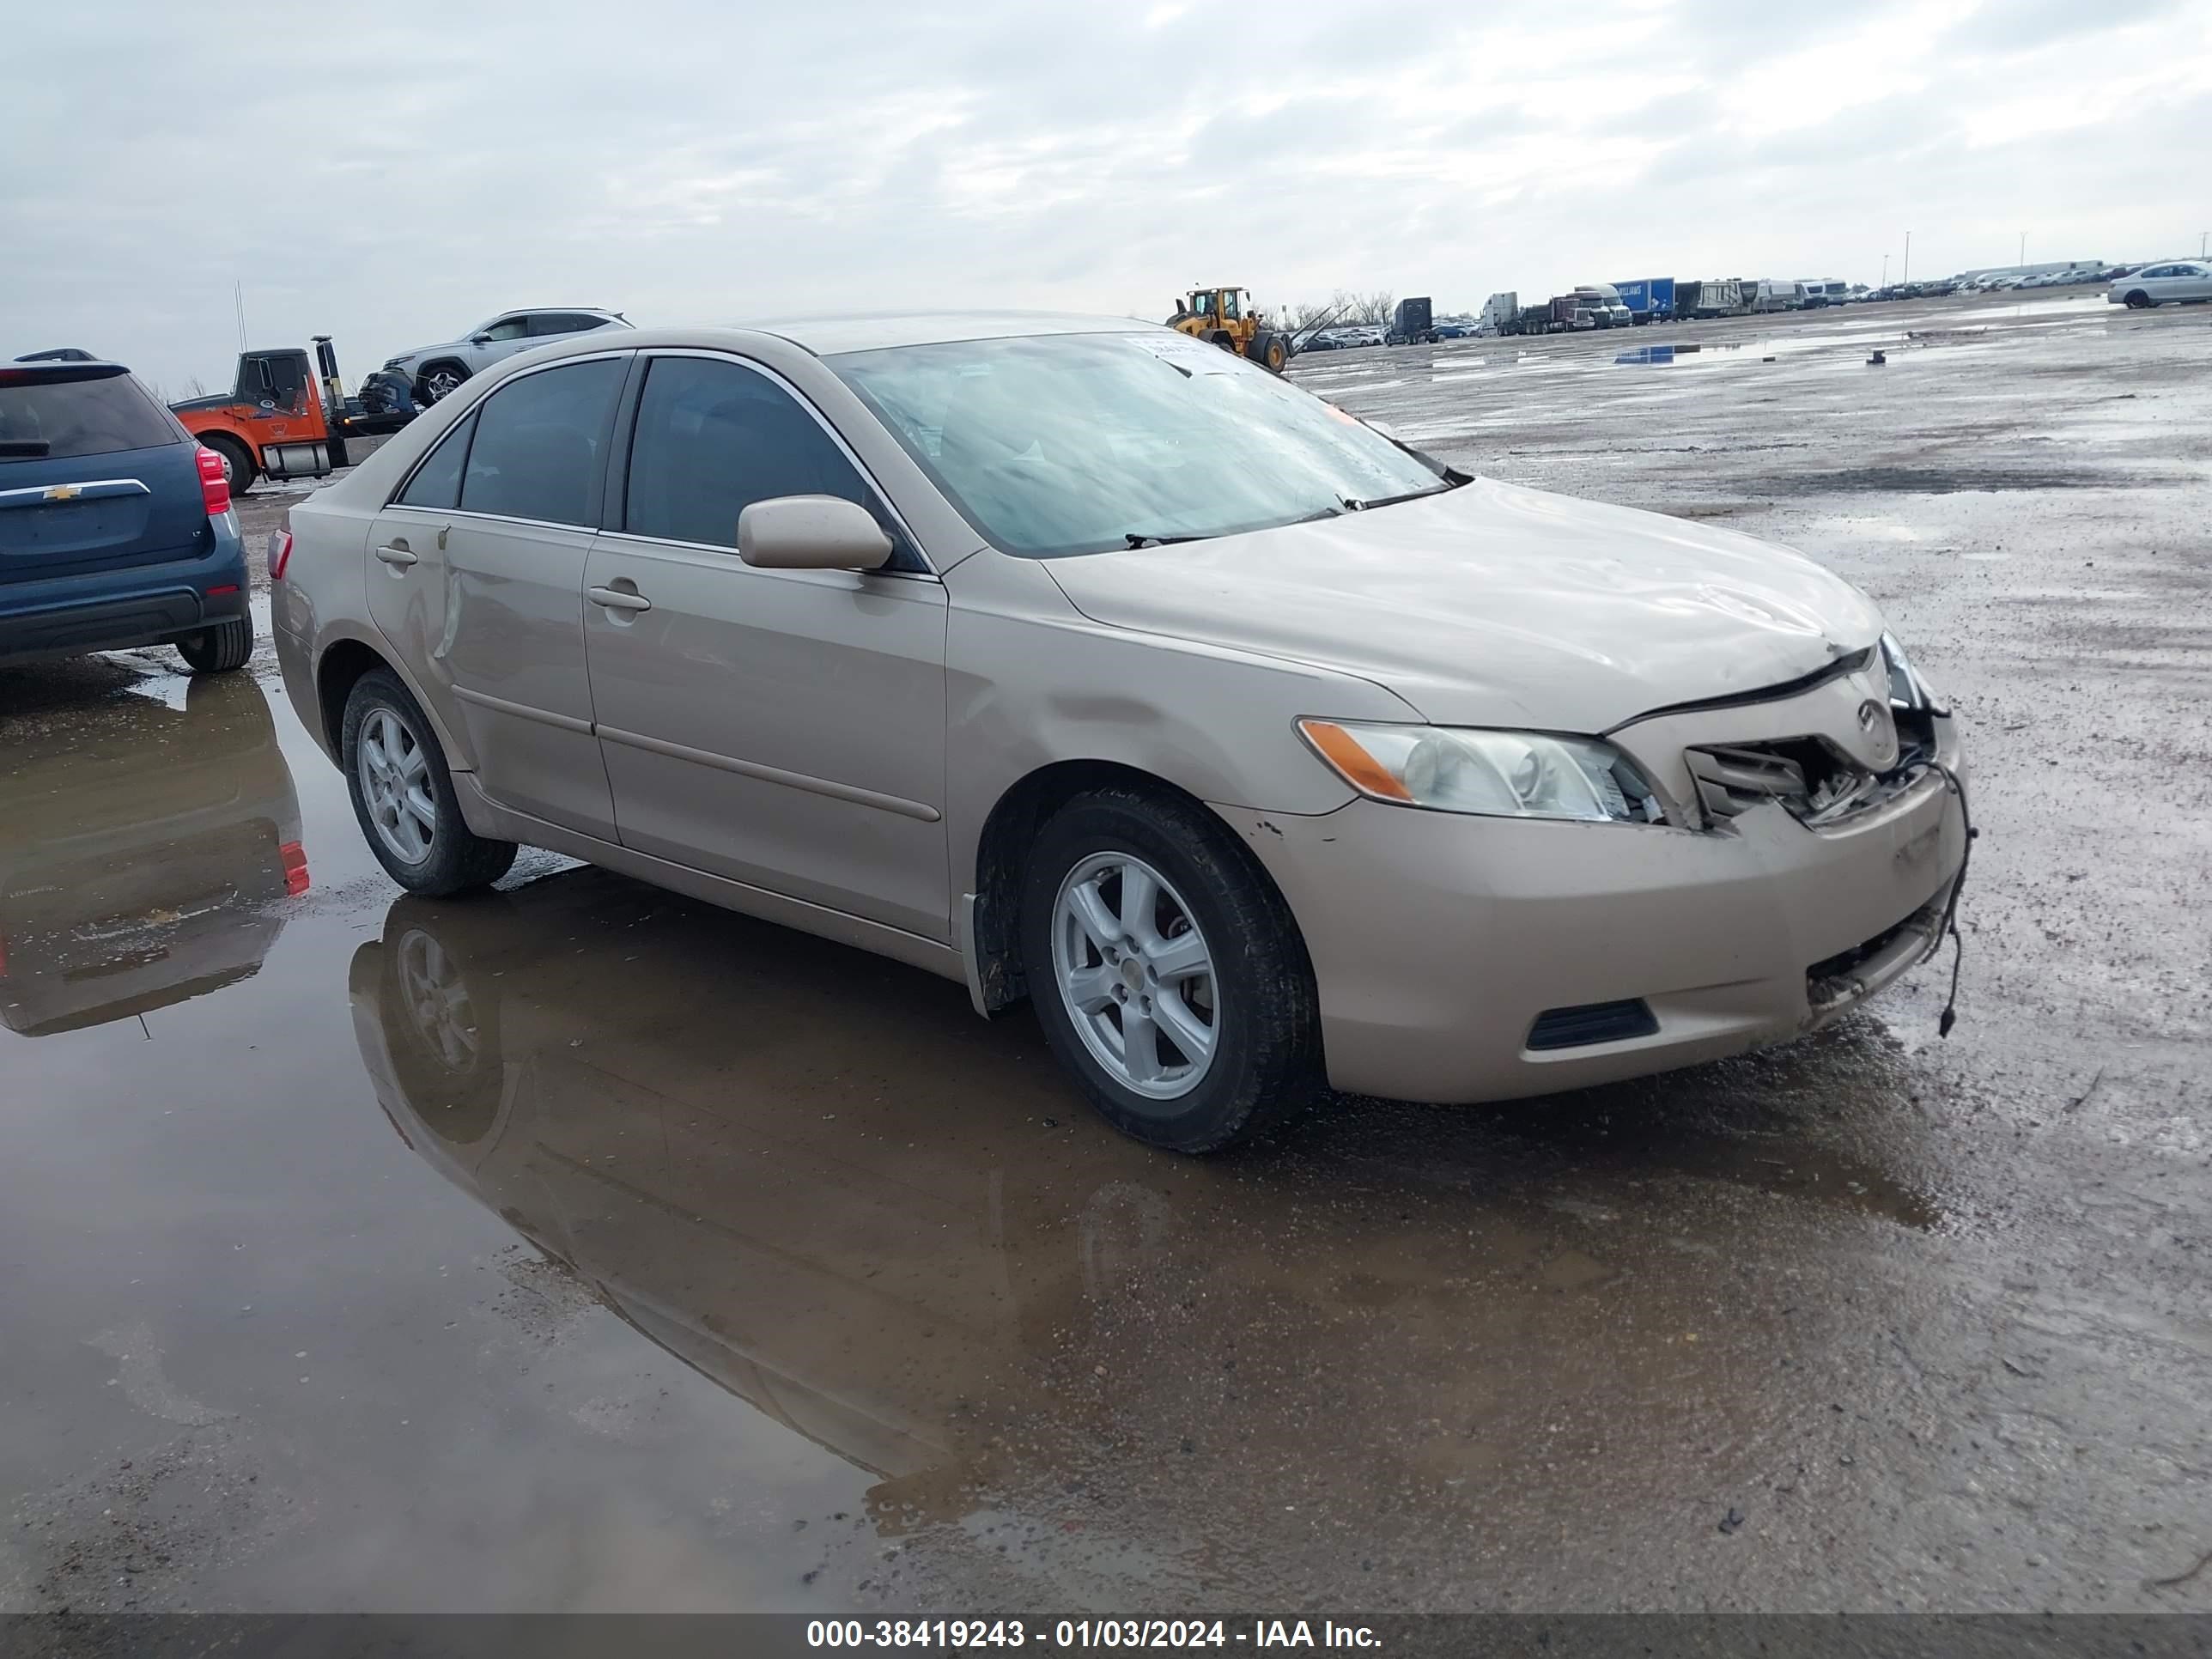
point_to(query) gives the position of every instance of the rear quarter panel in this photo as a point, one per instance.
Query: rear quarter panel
(323, 602)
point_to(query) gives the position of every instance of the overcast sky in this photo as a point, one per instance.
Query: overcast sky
(393, 173)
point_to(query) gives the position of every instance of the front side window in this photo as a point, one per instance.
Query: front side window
(1079, 443)
(540, 444)
(507, 328)
(712, 438)
(437, 482)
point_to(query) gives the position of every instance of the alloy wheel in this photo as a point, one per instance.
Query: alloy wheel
(394, 771)
(1136, 975)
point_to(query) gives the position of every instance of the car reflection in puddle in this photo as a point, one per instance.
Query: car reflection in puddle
(814, 1177)
(147, 847)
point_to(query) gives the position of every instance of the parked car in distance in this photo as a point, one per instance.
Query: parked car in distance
(435, 370)
(2181, 282)
(116, 528)
(1454, 330)
(1319, 762)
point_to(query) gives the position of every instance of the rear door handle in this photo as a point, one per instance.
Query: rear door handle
(396, 553)
(615, 600)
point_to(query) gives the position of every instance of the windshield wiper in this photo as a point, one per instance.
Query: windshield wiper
(1450, 481)
(1135, 540)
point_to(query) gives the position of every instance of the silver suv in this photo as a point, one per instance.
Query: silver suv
(433, 371)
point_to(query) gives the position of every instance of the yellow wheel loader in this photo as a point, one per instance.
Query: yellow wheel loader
(1225, 316)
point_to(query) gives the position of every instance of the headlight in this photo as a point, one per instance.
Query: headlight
(1907, 690)
(1515, 775)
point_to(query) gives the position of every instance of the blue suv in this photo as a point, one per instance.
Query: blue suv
(116, 528)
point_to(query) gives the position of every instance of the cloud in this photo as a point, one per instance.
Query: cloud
(399, 174)
(2014, 26)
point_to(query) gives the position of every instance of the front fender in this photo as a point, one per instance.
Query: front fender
(1030, 682)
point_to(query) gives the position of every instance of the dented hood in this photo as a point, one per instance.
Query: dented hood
(1490, 605)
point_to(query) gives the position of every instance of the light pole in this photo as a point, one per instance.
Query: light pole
(1905, 274)
(1885, 271)
(2023, 248)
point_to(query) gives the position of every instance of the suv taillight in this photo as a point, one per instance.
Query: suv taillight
(215, 489)
(280, 554)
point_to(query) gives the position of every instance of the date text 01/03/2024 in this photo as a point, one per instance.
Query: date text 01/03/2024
(1083, 1634)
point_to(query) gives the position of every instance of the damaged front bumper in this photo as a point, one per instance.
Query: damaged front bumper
(1452, 953)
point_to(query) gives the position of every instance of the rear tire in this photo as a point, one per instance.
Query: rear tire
(237, 464)
(403, 795)
(1251, 1054)
(222, 650)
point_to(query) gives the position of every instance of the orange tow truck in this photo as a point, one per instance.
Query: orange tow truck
(288, 417)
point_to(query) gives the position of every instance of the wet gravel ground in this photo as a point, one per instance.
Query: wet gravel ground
(585, 1247)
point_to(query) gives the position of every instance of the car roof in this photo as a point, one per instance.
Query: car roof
(827, 335)
(41, 368)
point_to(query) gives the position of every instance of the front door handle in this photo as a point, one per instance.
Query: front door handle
(615, 600)
(396, 554)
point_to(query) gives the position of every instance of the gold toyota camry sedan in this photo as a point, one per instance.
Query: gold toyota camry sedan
(1083, 662)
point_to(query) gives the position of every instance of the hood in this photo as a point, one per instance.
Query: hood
(1493, 605)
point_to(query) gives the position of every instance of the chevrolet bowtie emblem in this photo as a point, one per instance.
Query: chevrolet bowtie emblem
(62, 493)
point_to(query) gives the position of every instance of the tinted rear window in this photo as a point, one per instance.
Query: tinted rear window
(83, 417)
(541, 444)
(437, 481)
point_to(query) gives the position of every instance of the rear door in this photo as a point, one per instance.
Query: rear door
(477, 577)
(94, 475)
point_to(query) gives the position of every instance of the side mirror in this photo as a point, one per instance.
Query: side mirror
(479, 339)
(812, 532)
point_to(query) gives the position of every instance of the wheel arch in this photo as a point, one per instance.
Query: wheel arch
(338, 672)
(338, 668)
(992, 902)
(435, 363)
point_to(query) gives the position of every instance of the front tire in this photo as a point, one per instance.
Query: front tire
(403, 795)
(1167, 972)
(2140, 301)
(439, 381)
(222, 650)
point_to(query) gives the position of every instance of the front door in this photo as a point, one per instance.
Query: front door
(476, 576)
(782, 728)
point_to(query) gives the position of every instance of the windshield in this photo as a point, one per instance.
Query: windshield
(1076, 443)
